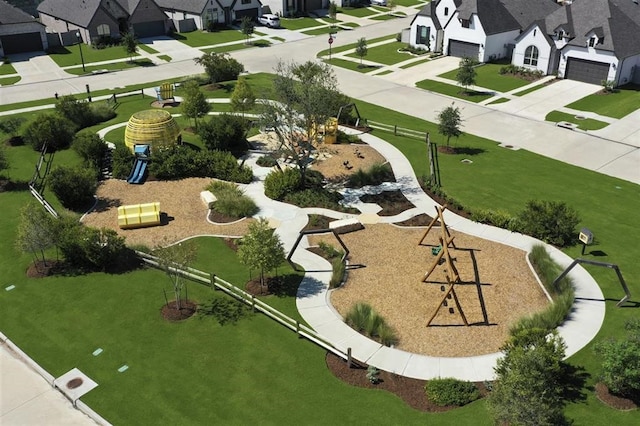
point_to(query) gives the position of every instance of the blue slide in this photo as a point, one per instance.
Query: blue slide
(138, 171)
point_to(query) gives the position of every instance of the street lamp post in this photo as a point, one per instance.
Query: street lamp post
(80, 45)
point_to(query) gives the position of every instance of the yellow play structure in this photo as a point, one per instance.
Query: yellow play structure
(139, 215)
(328, 132)
(153, 127)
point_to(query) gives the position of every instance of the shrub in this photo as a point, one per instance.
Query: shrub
(621, 361)
(74, 187)
(330, 252)
(315, 198)
(279, 183)
(224, 132)
(267, 161)
(74, 110)
(374, 175)
(231, 201)
(551, 221)
(346, 138)
(91, 148)
(337, 272)
(449, 391)
(364, 319)
(102, 112)
(498, 218)
(121, 161)
(373, 375)
(57, 131)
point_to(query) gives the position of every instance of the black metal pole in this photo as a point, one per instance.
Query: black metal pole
(81, 55)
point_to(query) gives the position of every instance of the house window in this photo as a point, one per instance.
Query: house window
(465, 23)
(104, 30)
(422, 35)
(446, 11)
(531, 56)
(592, 41)
(535, 31)
(246, 2)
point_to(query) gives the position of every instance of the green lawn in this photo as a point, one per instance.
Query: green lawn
(165, 58)
(202, 38)
(299, 23)
(350, 65)
(489, 77)
(386, 53)
(8, 81)
(70, 55)
(583, 124)
(197, 371)
(6, 69)
(451, 90)
(324, 30)
(227, 48)
(345, 47)
(385, 72)
(350, 24)
(408, 3)
(113, 66)
(358, 12)
(529, 90)
(413, 64)
(615, 105)
(147, 48)
(384, 17)
(499, 101)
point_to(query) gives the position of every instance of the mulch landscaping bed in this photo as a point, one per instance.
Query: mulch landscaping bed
(410, 390)
(392, 202)
(40, 269)
(187, 309)
(419, 220)
(615, 401)
(217, 217)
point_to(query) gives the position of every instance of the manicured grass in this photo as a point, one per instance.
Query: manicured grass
(408, 3)
(413, 64)
(202, 38)
(147, 48)
(350, 24)
(6, 69)
(386, 53)
(344, 48)
(113, 66)
(8, 81)
(299, 23)
(165, 58)
(70, 55)
(529, 90)
(228, 48)
(451, 90)
(615, 105)
(280, 39)
(384, 17)
(324, 30)
(586, 124)
(499, 101)
(358, 12)
(385, 72)
(354, 66)
(489, 77)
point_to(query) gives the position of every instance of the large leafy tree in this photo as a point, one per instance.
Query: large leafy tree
(54, 129)
(194, 104)
(449, 122)
(242, 98)
(621, 361)
(220, 66)
(173, 259)
(304, 97)
(529, 386)
(261, 249)
(466, 75)
(91, 147)
(74, 186)
(224, 132)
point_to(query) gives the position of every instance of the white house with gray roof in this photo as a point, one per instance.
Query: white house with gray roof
(587, 40)
(19, 31)
(187, 15)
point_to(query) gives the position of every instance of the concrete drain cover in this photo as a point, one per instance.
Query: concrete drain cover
(74, 383)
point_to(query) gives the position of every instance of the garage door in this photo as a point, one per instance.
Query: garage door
(312, 5)
(149, 29)
(19, 43)
(587, 71)
(251, 13)
(462, 49)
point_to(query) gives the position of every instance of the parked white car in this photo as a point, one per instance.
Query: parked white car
(378, 2)
(270, 20)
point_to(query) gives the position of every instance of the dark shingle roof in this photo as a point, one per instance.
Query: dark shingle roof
(499, 16)
(12, 15)
(76, 12)
(528, 11)
(191, 6)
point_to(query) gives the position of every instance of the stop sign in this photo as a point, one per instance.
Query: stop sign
(330, 39)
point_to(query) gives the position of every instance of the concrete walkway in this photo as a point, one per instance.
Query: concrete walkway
(313, 298)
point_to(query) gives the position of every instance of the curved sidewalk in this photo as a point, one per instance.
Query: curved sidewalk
(313, 295)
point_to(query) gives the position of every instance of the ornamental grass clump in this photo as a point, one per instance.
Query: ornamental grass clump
(365, 320)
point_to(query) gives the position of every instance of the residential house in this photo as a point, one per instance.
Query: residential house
(480, 29)
(89, 20)
(187, 15)
(19, 31)
(294, 7)
(588, 40)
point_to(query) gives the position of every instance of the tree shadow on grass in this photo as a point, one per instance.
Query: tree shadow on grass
(574, 379)
(468, 151)
(285, 285)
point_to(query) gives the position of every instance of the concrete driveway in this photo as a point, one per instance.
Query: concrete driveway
(36, 67)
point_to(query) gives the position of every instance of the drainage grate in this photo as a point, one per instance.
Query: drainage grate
(74, 383)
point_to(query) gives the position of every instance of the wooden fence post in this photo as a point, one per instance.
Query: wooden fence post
(298, 330)
(395, 129)
(349, 361)
(253, 303)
